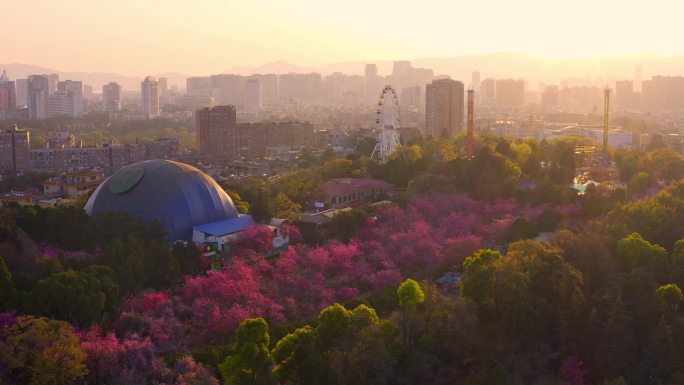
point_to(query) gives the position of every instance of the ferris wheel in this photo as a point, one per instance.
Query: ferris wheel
(387, 124)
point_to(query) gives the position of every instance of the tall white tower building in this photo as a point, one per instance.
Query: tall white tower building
(150, 97)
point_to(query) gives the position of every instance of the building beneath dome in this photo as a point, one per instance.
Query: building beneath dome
(179, 195)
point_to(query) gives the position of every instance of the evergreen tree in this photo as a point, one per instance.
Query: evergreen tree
(249, 362)
(7, 290)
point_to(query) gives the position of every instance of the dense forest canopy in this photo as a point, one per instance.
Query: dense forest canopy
(553, 287)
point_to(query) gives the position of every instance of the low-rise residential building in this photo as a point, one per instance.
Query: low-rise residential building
(349, 192)
(73, 184)
(109, 158)
(19, 197)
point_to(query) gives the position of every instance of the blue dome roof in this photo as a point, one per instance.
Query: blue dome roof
(179, 195)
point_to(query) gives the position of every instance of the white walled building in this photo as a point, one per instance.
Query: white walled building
(150, 97)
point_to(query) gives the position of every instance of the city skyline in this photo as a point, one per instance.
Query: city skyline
(219, 36)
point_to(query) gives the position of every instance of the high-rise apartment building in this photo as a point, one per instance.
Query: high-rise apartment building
(637, 78)
(87, 92)
(198, 85)
(150, 97)
(14, 150)
(444, 102)
(487, 92)
(412, 97)
(215, 130)
(71, 86)
(65, 103)
(663, 93)
(374, 82)
(625, 97)
(253, 100)
(163, 86)
(400, 68)
(37, 95)
(550, 98)
(286, 86)
(111, 97)
(475, 81)
(230, 89)
(67, 100)
(400, 74)
(53, 80)
(22, 92)
(418, 77)
(510, 93)
(269, 88)
(8, 95)
(301, 87)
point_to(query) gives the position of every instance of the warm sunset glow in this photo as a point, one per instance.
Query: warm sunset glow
(139, 37)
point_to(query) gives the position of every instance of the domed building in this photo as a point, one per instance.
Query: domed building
(187, 201)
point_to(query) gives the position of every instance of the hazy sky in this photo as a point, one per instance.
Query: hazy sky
(140, 37)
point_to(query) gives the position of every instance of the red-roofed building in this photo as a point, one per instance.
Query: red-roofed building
(349, 192)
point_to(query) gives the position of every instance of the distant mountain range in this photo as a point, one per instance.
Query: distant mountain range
(95, 79)
(501, 65)
(496, 65)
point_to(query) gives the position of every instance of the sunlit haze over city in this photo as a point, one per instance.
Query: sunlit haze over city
(137, 37)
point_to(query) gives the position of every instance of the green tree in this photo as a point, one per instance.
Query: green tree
(548, 220)
(299, 186)
(68, 295)
(131, 269)
(241, 205)
(7, 290)
(671, 295)
(658, 359)
(521, 228)
(297, 358)
(355, 346)
(634, 251)
(539, 295)
(306, 159)
(249, 362)
(410, 296)
(617, 347)
(39, 351)
(639, 183)
(451, 325)
(332, 323)
(286, 208)
(657, 142)
(337, 168)
(479, 276)
(106, 280)
(188, 256)
(371, 359)
(161, 267)
(327, 155)
(346, 223)
(677, 272)
(260, 201)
